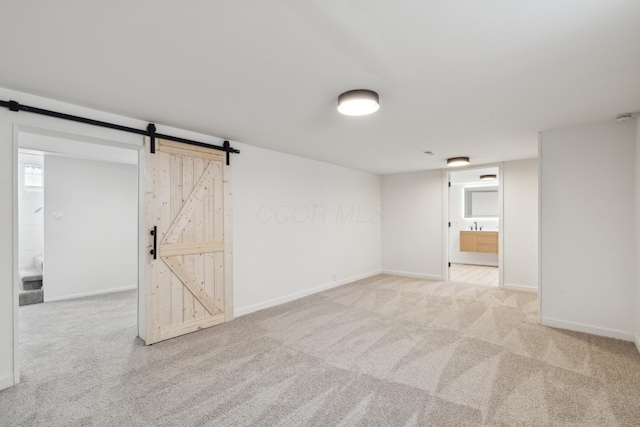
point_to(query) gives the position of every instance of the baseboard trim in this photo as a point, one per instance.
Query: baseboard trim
(297, 295)
(481, 264)
(6, 382)
(636, 341)
(520, 288)
(88, 294)
(579, 327)
(414, 275)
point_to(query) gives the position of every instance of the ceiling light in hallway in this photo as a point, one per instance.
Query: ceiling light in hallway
(488, 177)
(457, 161)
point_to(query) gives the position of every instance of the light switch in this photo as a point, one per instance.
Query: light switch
(58, 216)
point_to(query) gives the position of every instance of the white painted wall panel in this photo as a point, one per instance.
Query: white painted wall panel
(587, 228)
(93, 248)
(297, 223)
(520, 223)
(412, 224)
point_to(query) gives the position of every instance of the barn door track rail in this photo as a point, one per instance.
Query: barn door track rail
(150, 131)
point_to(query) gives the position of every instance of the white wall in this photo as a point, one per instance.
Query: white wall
(587, 228)
(31, 227)
(520, 224)
(297, 223)
(637, 218)
(93, 248)
(412, 224)
(273, 261)
(459, 223)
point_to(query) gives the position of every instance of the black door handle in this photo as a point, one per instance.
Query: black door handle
(154, 251)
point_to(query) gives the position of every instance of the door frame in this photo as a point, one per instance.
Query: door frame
(86, 134)
(446, 253)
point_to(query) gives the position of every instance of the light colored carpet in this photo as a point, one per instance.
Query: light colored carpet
(474, 274)
(385, 351)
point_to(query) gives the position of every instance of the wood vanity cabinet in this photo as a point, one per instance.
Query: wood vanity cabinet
(479, 241)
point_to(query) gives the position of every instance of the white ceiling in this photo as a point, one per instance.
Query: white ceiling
(457, 77)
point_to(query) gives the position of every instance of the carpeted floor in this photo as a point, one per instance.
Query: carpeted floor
(385, 351)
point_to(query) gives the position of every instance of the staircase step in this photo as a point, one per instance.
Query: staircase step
(32, 285)
(31, 297)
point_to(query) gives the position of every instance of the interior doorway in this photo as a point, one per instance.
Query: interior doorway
(83, 238)
(30, 226)
(474, 215)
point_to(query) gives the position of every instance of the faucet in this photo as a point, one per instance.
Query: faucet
(475, 224)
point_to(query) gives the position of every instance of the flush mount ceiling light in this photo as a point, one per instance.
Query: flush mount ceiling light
(358, 102)
(488, 177)
(624, 117)
(457, 161)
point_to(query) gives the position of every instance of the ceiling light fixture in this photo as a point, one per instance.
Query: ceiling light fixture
(624, 117)
(488, 177)
(358, 102)
(457, 161)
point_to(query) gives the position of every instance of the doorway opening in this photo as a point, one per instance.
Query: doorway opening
(30, 226)
(78, 228)
(474, 214)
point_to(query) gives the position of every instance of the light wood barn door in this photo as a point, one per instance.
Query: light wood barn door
(189, 280)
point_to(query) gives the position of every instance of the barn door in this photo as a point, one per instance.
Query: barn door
(189, 269)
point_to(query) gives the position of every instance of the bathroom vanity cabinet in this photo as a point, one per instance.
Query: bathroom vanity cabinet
(479, 241)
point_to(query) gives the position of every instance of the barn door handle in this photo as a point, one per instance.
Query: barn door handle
(154, 251)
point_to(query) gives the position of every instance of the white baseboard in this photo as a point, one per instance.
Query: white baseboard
(414, 275)
(486, 264)
(6, 382)
(520, 288)
(297, 295)
(578, 327)
(636, 341)
(88, 294)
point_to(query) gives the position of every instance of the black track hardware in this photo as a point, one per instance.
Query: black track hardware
(150, 131)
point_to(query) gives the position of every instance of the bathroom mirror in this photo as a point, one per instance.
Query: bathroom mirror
(481, 202)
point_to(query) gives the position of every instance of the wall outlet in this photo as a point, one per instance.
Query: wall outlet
(58, 216)
(335, 277)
